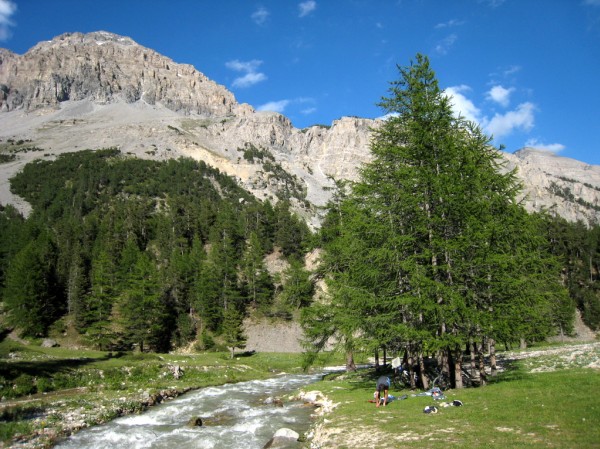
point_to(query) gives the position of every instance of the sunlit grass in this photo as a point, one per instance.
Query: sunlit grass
(520, 409)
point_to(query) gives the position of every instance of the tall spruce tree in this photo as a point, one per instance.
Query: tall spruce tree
(30, 294)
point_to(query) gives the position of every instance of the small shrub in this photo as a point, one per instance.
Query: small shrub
(44, 384)
(24, 385)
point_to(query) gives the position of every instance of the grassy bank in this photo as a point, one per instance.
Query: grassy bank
(543, 398)
(526, 406)
(51, 392)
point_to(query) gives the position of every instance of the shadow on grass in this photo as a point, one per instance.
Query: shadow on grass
(361, 379)
(45, 368)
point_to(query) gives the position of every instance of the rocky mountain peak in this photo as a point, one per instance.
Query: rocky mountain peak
(105, 67)
(101, 90)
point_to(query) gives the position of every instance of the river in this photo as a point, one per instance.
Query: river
(240, 415)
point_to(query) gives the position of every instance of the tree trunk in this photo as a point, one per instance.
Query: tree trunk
(493, 357)
(411, 369)
(377, 360)
(522, 343)
(481, 360)
(458, 358)
(422, 375)
(446, 362)
(473, 358)
(350, 365)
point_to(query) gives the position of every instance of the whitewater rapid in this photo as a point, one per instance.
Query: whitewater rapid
(241, 415)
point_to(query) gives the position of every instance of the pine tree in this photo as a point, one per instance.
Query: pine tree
(144, 314)
(28, 293)
(298, 288)
(233, 330)
(254, 275)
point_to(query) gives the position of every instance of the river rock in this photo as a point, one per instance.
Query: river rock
(282, 439)
(195, 421)
(277, 402)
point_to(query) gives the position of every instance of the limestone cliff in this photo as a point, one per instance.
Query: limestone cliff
(104, 67)
(101, 90)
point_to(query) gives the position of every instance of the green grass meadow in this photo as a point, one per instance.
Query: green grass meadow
(522, 409)
(519, 410)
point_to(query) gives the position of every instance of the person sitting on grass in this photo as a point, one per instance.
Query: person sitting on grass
(383, 385)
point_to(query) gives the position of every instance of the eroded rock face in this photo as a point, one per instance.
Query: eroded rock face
(103, 67)
(101, 90)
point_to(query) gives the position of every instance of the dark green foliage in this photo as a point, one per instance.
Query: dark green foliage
(30, 292)
(7, 158)
(430, 250)
(251, 152)
(121, 244)
(291, 233)
(578, 248)
(233, 332)
(298, 287)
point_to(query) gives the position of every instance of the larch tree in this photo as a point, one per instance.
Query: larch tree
(430, 212)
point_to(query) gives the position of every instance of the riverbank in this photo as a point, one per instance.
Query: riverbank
(78, 389)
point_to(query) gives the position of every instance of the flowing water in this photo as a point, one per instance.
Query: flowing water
(238, 415)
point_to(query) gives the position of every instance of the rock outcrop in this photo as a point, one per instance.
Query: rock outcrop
(101, 90)
(104, 67)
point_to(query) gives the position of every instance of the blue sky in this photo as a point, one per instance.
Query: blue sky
(528, 71)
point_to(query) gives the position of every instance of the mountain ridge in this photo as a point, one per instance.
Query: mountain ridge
(100, 89)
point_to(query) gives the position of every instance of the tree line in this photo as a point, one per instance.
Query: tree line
(139, 252)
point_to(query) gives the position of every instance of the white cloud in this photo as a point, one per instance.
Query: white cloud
(252, 76)
(307, 7)
(500, 124)
(512, 70)
(500, 95)
(503, 124)
(249, 79)
(444, 45)
(274, 106)
(260, 16)
(461, 105)
(281, 105)
(243, 66)
(450, 23)
(549, 147)
(308, 111)
(7, 9)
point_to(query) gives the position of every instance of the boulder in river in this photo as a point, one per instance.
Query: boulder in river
(195, 421)
(282, 439)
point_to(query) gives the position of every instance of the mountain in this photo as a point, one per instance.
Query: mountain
(101, 90)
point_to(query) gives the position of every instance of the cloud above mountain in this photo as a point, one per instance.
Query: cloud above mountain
(7, 10)
(250, 69)
(500, 124)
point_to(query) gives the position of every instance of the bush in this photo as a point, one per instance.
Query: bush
(44, 384)
(24, 385)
